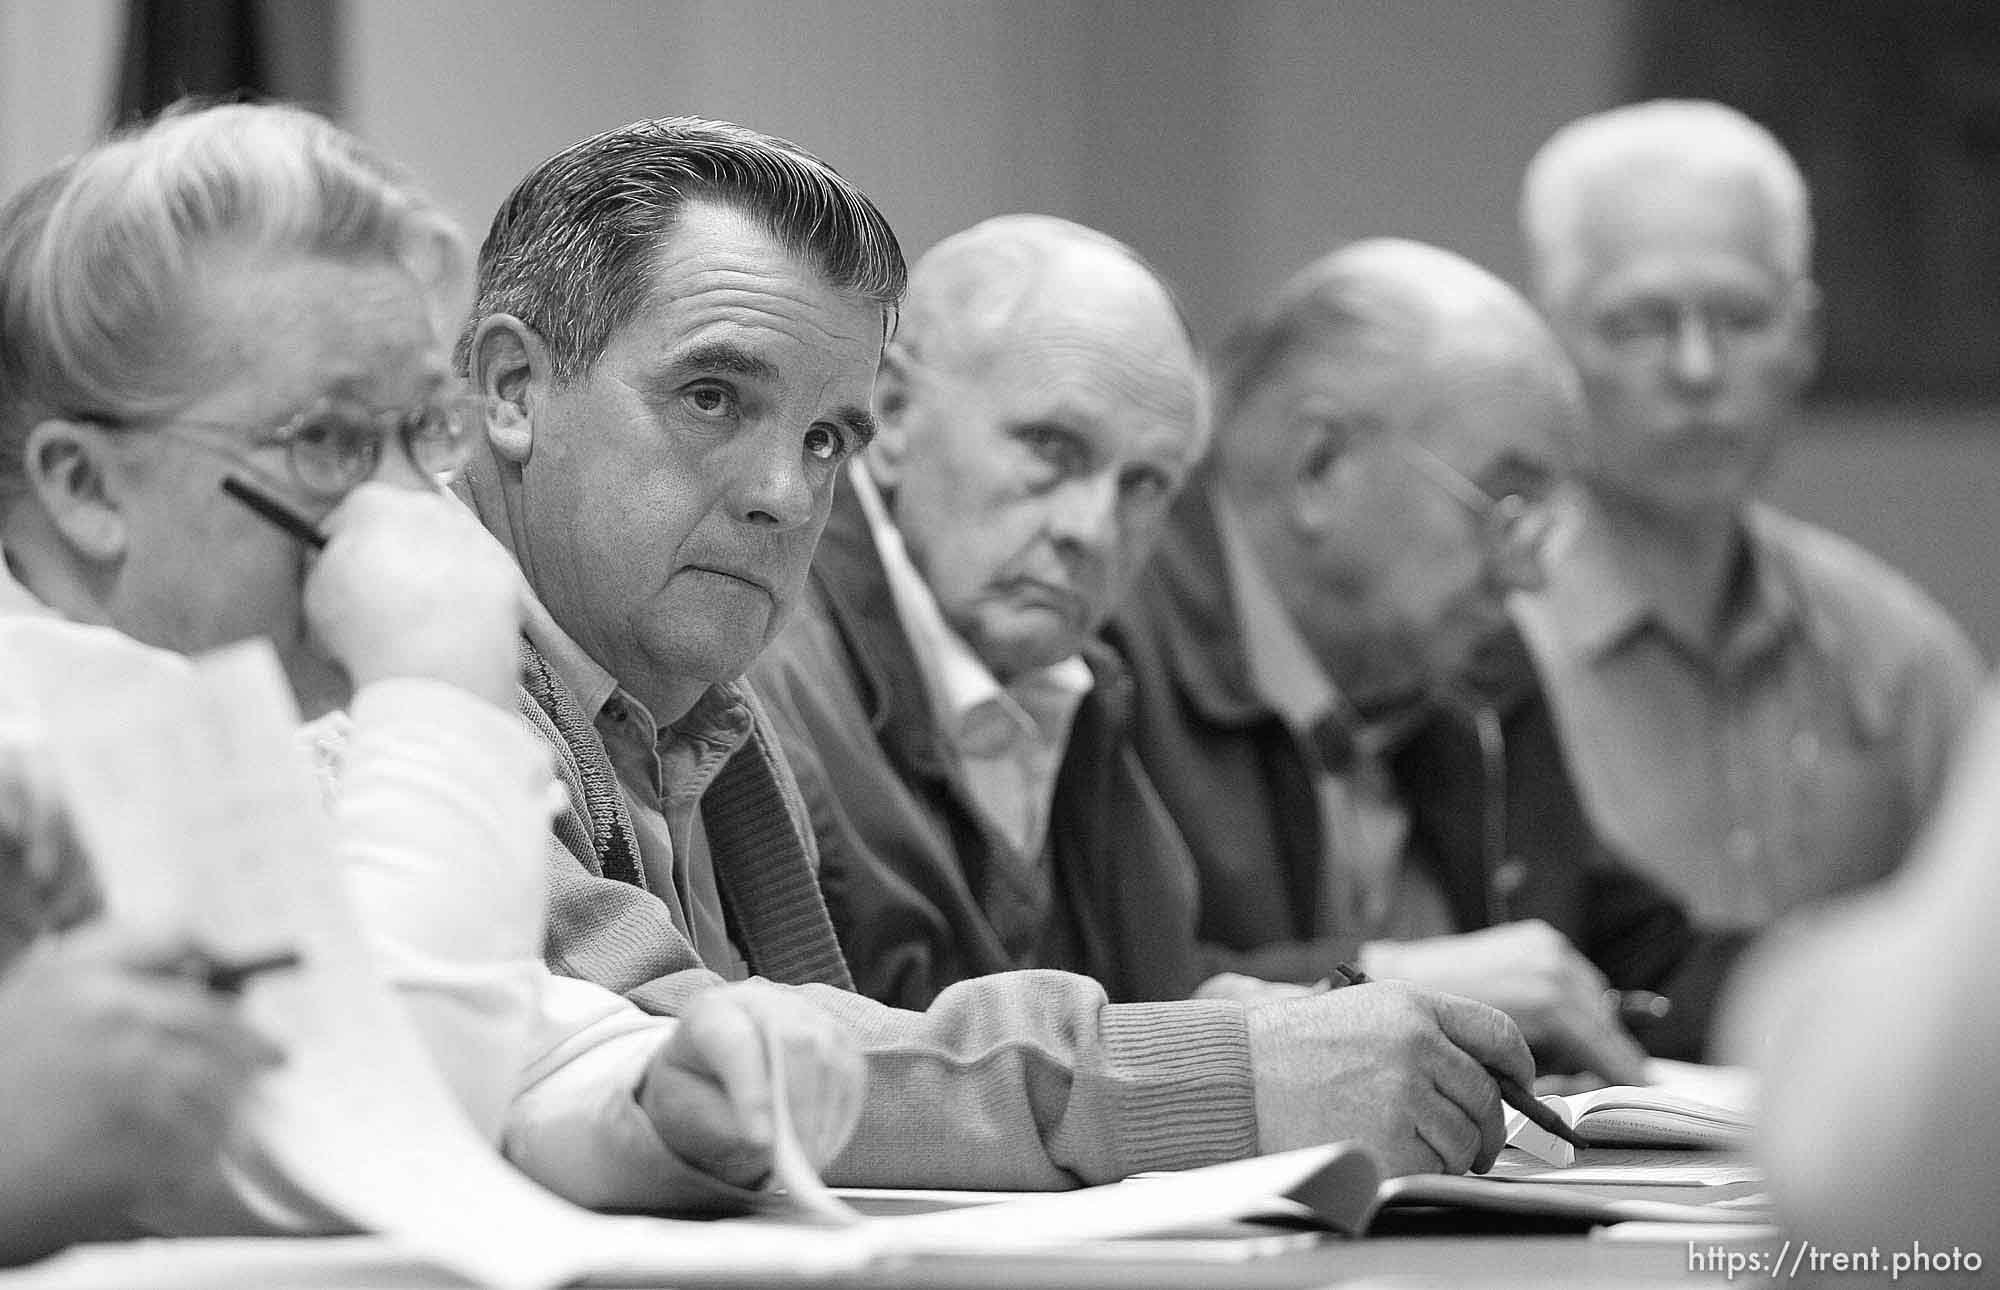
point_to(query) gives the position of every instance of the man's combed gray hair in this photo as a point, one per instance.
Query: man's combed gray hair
(572, 249)
(1693, 133)
(98, 257)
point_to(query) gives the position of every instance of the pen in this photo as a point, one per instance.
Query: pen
(273, 510)
(1539, 1113)
(1636, 1007)
(230, 978)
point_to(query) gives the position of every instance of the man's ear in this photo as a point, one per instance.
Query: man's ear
(1809, 336)
(1318, 476)
(68, 467)
(892, 405)
(509, 363)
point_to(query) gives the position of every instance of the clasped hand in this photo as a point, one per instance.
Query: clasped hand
(709, 1090)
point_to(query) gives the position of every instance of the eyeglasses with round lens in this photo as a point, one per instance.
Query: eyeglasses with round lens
(333, 447)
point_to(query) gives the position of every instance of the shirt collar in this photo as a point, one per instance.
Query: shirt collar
(588, 682)
(1600, 601)
(1281, 665)
(1769, 607)
(1594, 598)
(961, 686)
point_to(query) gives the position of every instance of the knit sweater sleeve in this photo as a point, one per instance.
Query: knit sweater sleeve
(1032, 1081)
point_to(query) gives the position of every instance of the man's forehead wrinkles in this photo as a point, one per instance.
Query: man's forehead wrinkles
(1093, 369)
(793, 315)
(1113, 338)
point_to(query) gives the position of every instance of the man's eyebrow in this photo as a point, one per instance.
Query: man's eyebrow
(726, 356)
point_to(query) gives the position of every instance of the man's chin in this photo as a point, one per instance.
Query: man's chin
(1687, 495)
(710, 660)
(1011, 658)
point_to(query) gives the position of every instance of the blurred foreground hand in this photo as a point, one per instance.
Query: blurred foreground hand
(120, 1075)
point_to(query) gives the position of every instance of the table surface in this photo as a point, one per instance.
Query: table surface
(1451, 1250)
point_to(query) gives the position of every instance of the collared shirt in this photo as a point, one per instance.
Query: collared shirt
(1010, 738)
(1792, 758)
(1367, 889)
(664, 774)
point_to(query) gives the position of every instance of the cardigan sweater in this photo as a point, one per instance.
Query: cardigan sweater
(1022, 1080)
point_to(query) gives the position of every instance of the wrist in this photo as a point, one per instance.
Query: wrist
(1381, 960)
(491, 679)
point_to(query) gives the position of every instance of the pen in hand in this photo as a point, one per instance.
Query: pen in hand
(1539, 1113)
(224, 977)
(274, 511)
(1639, 1007)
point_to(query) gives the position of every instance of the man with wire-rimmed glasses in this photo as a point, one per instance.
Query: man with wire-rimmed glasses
(1329, 695)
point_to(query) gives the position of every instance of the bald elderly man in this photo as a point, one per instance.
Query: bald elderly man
(959, 734)
(1387, 430)
(1759, 712)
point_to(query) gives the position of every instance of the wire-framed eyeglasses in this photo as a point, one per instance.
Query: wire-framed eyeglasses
(333, 446)
(1513, 528)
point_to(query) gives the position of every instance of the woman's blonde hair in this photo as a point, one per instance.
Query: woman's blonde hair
(98, 256)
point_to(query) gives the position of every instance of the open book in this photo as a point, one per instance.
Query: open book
(1682, 1105)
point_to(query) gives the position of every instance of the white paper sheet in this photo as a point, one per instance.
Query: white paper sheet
(199, 812)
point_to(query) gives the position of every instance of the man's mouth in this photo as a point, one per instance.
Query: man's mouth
(748, 579)
(1047, 595)
(1709, 439)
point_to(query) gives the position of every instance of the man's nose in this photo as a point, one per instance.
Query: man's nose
(1083, 513)
(1697, 352)
(772, 486)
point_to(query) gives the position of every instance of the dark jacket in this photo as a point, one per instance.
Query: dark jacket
(921, 889)
(1494, 816)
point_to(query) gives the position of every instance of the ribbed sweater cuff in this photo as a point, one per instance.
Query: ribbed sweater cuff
(1189, 1098)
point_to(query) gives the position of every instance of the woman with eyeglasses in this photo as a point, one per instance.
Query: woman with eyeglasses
(225, 414)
